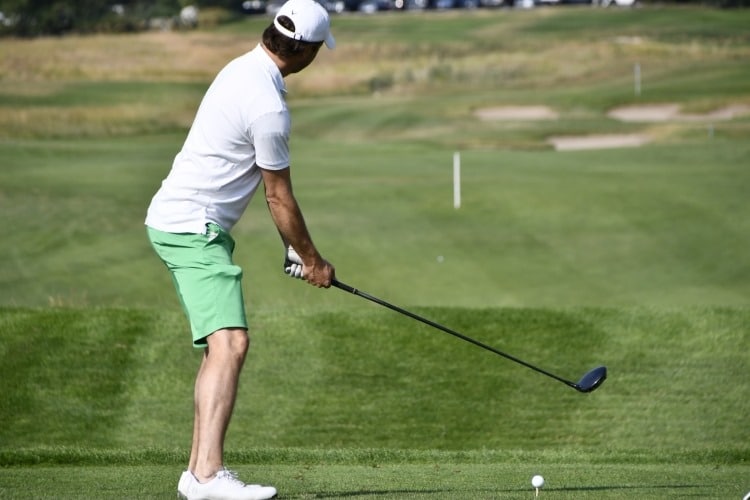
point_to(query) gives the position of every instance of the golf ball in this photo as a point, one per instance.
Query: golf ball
(537, 481)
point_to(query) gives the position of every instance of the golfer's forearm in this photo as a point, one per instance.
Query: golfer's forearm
(290, 223)
(286, 214)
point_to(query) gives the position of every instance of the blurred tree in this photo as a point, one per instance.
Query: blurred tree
(29, 18)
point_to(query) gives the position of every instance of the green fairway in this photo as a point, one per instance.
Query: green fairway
(633, 258)
(357, 394)
(375, 379)
(662, 225)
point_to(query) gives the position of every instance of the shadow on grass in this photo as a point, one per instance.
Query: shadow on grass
(365, 493)
(396, 492)
(631, 487)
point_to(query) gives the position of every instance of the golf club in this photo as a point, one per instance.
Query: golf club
(590, 380)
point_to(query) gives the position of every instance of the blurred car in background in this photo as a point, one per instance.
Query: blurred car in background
(453, 4)
(468, 4)
(271, 7)
(254, 6)
(618, 3)
(369, 6)
(335, 6)
(410, 4)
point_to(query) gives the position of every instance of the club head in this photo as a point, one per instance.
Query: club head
(592, 379)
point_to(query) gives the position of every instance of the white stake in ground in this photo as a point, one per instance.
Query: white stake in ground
(637, 79)
(456, 180)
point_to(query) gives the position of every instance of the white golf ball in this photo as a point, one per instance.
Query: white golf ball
(537, 481)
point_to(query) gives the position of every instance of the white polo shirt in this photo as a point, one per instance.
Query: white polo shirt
(242, 124)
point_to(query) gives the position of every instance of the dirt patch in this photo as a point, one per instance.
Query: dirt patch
(672, 112)
(598, 142)
(516, 113)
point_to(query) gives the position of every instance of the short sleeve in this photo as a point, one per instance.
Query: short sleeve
(270, 134)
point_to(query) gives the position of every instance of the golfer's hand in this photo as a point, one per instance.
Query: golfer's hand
(292, 263)
(320, 274)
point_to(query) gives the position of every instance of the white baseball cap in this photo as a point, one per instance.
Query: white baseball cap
(311, 22)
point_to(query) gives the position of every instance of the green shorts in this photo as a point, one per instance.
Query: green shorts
(208, 283)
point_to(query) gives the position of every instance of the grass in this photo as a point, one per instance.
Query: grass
(444, 481)
(396, 385)
(669, 225)
(400, 411)
(633, 258)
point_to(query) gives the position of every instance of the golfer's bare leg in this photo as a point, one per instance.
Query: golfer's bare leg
(196, 425)
(215, 394)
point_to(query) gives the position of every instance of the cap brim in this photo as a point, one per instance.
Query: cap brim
(330, 41)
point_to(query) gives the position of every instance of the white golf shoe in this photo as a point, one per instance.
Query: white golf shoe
(224, 486)
(186, 479)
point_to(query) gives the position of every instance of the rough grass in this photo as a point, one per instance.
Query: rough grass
(490, 57)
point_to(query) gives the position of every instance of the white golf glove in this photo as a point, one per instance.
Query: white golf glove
(292, 263)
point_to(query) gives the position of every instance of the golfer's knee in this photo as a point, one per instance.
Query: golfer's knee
(232, 342)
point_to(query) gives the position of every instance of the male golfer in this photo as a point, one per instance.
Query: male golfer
(239, 138)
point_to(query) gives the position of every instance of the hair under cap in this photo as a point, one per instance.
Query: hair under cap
(311, 22)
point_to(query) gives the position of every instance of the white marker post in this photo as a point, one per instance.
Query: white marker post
(637, 79)
(456, 180)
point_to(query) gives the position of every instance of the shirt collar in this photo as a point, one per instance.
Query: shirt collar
(271, 67)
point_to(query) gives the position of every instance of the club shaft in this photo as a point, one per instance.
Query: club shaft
(365, 295)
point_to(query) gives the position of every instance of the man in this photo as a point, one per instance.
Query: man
(239, 138)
